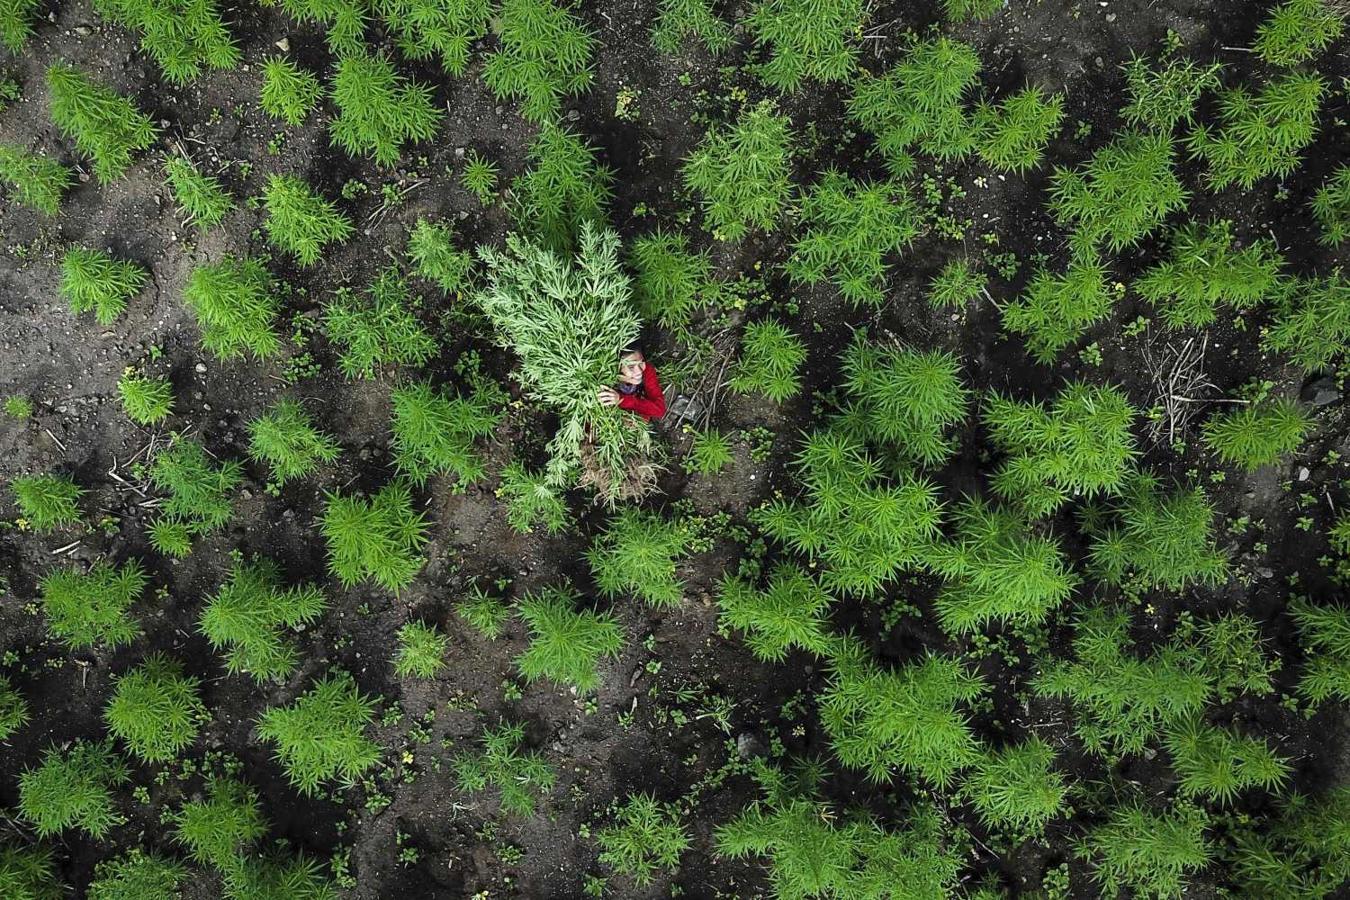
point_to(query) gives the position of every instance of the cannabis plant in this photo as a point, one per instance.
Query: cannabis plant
(1058, 308)
(860, 528)
(1298, 30)
(219, 829)
(235, 305)
(1121, 699)
(647, 837)
(566, 643)
(92, 280)
(145, 399)
(249, 617)
(1017, 788)
(742, 173)
(812, 851)
(198, 490)
(105, 126)
(1126, 190)
(13, 709)
(47, 502)
(344, 21)
(1259, 135)
(485, 613)
(18, 407)
(531, 501)
(1148, 853)
(72, 788)
(89, 609)
(1204, 269)
(1258, 434)
(35, 180)
(997, 571)
(1311, 321)
(1324, 632)
(959, 10)
(479, 178)
(677, 20)
(300, 221)
(137, 876)
(1238, 657)
(522, 778)
(770, 363)
(1157, 539)
(273, 875)
(544, 56)
(805, 39)
(709, 452)
(565, 318)
(285, 438)
(959, 282)
(564, 189)
(288, 91)
(1218, 763)
(1304, 851)
(156, 710)
(850, 230)
(790, 612)
(182, 36)
(321, 735)
(432, 249)
(917, 104)
(1080, 445)
(1331, 208)
(636, 554)
(445, 29)
(1163, 92)
(380, 538)
(421, 651)
(1012, 136)
(904, 399)
(670, 279)
(906, 719)
(434, 434)
(16, 23)
(200, 197)
(377, 328)
(378, 110)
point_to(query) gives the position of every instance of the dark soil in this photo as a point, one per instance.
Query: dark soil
(70, 366)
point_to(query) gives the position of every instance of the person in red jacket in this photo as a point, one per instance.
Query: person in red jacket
(639, 389)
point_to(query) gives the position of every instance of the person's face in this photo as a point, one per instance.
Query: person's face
(630, 368)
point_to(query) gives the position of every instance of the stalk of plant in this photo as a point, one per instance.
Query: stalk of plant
(285, 438)
(93, 609)
(770, 363)
(35, 180)
(72, 788)
(791, 612)
(288, 91)
(566, 643)
(521, 777)
(156, 710)
(250, 618)
(647, 837)
(235, 305)
(377, 328)
(378, 110)
(47, 502)
(145, 399)
(182, 36)
(544, 56)
(678, 20)
(321, 736)
(421, 651)
(431, 248)
(1258, 434)
(300, 221)
(92, 280)
(105, 126)
(564, 189)
(380, 538)
(742, 173)
(200, 197)
(807, 39)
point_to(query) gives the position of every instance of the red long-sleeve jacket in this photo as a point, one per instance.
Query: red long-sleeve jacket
(647, 401)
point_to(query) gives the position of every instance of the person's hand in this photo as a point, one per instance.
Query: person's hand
(608, 396)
